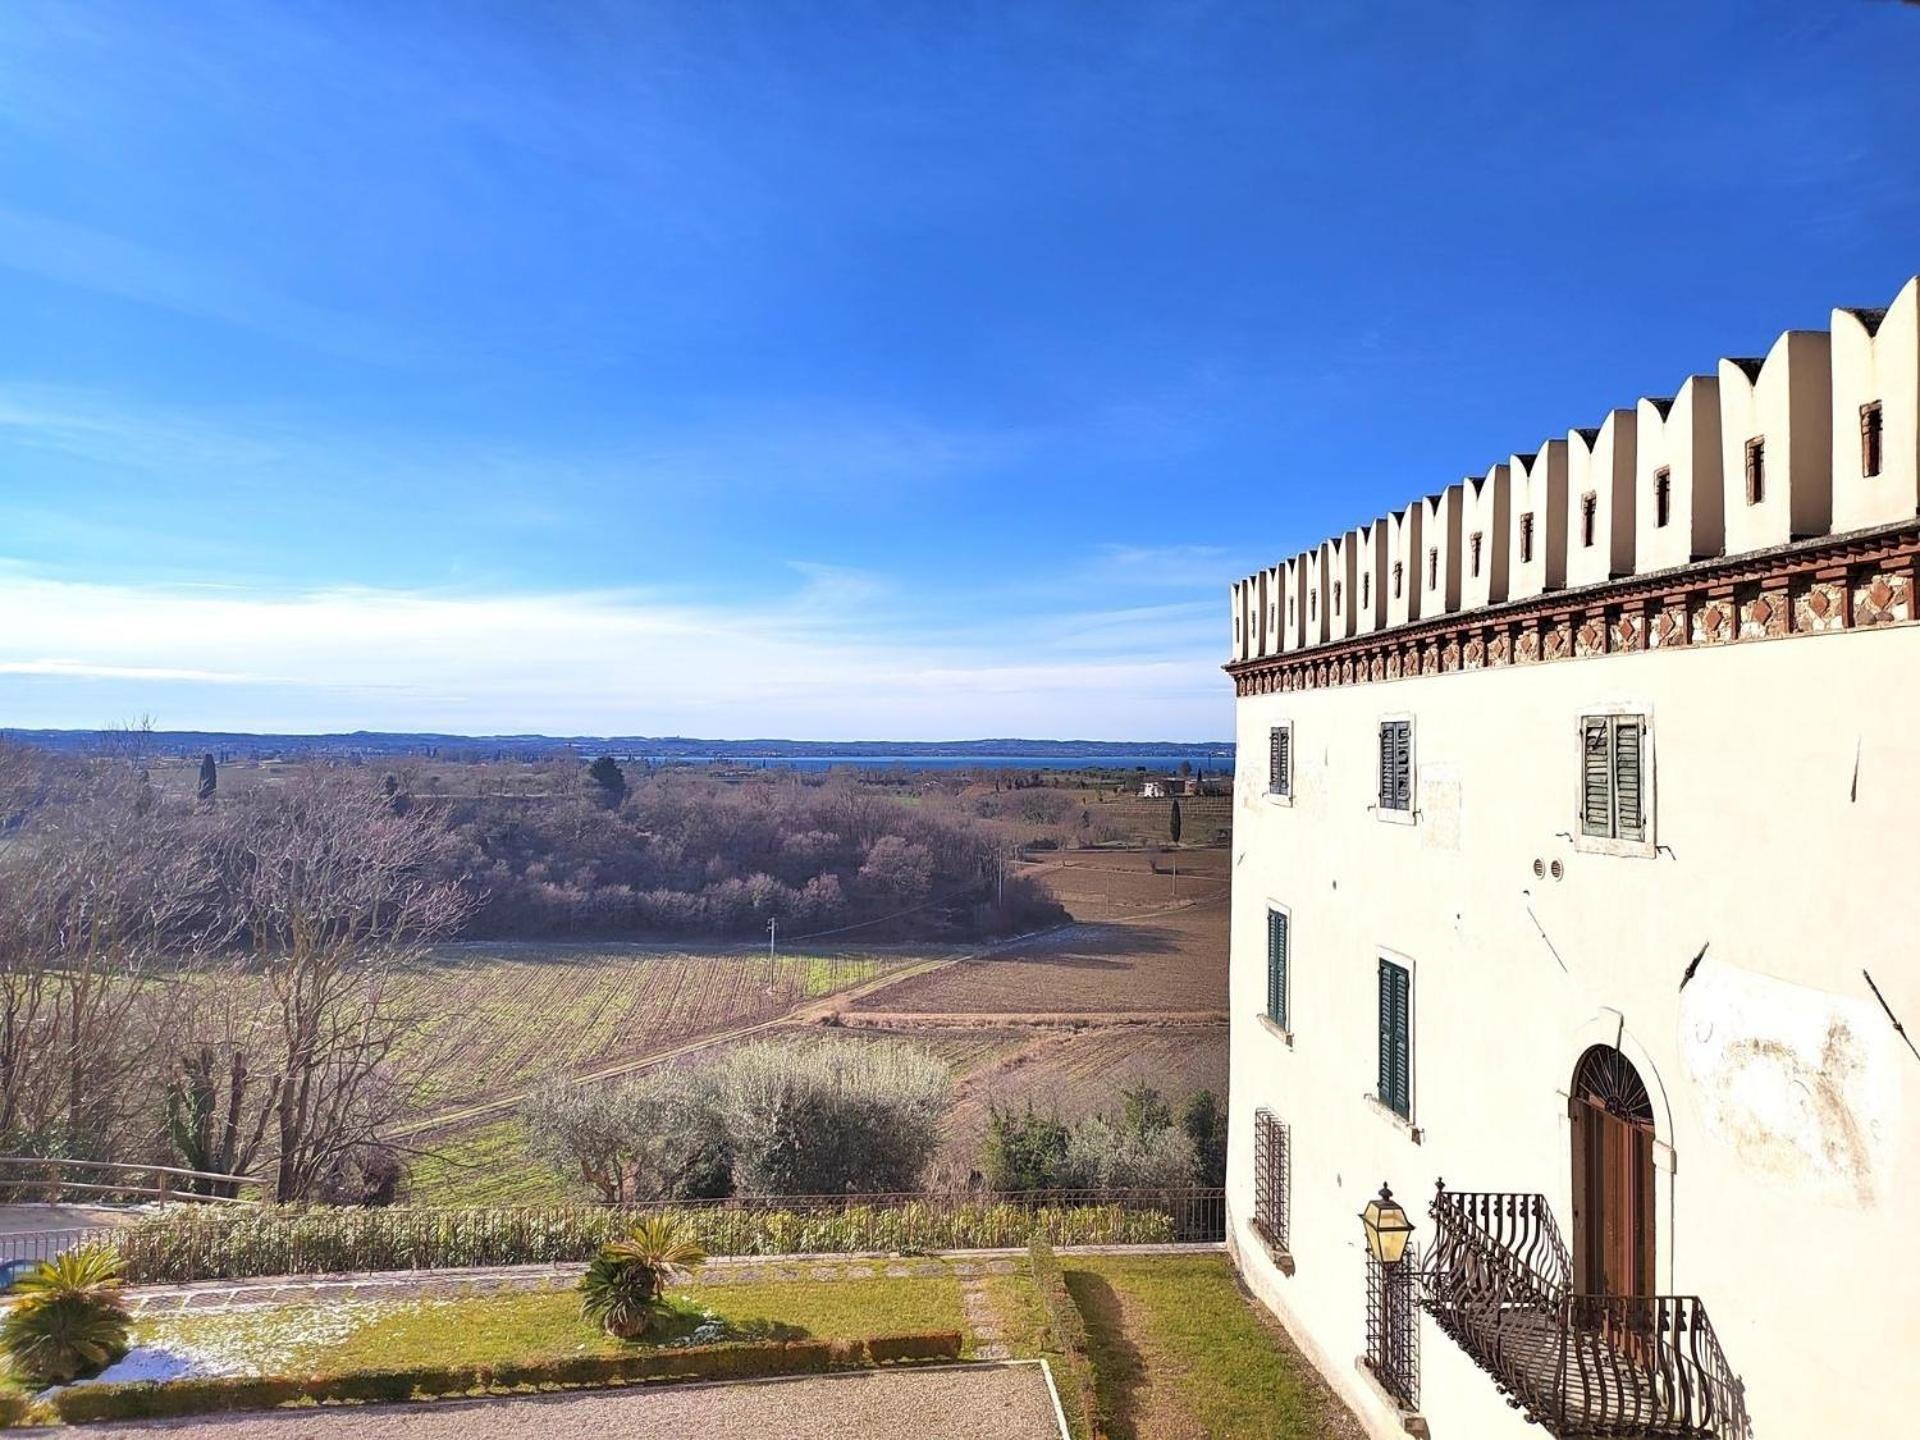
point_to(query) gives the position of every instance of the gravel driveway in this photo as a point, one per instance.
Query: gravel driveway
(970, 1402)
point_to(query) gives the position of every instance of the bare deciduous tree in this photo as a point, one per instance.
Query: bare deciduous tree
(333, 895)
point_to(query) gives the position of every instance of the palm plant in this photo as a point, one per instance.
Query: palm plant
(622, 1287)
(68, 1318)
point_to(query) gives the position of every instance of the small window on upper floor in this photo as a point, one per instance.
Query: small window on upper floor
(1336, 595)
(1870, 440)
(1662, 497)
(1399, 574)
(1589, 511)
(1526, 538)
(1433, 567)
(1366, 590)
(1756, 470)
(1280, 761)
(1313, 604)
(1396, 765)
(1473, 544)
(1613, 779)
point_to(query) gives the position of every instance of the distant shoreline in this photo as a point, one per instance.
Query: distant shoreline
(996, 753)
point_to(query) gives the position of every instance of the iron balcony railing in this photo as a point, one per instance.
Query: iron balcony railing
(1498, 1283)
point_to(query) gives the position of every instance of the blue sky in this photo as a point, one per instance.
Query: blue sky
(841, 370)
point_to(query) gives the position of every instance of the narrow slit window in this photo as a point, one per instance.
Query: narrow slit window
(1399, 574)
(1336, 595)
(1589, 512)
(1433, 568)
(1756, 470)
(1870, 440)
(1662, 497)
(1474, 545)
(1366, 590)
(1526, 538)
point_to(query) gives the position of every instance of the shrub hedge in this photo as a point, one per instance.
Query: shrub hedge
(235, 1242)
(733, 1361)
(1067, 1335)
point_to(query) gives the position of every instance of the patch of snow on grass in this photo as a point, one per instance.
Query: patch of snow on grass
(246, 1340)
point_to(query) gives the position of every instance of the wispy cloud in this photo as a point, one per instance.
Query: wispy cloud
(839, 661)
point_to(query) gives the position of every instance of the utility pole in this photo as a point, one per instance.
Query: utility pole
(773, 964)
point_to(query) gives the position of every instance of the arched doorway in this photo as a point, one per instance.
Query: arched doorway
(1613, 1209)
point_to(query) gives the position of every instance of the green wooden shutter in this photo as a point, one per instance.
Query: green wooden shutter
(1629, 731)
(1277, 967)
(1395, 1077)
(1596, 777)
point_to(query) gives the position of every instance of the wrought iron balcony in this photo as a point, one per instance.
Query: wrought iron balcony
(1498, 1282)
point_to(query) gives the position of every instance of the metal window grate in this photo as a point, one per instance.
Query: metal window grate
(1393, 1338)
(1272, 1156)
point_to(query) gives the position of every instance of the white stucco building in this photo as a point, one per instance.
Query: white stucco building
(1587, 885)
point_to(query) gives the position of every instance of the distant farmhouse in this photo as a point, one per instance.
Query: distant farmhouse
(1575, 902)
(1169, 787)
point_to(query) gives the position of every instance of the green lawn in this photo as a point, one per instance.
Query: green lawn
(1178, 1352)
(487, 1330)
(486, 1163)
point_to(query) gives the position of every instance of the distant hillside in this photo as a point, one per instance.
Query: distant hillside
(654, 747)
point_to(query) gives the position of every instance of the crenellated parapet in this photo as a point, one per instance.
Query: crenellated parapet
(1819, 438)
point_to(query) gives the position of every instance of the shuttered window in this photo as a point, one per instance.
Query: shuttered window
(1396, 1038)
(1396, 764)
(1613, 790)
(1277, 943)
(1280, 760)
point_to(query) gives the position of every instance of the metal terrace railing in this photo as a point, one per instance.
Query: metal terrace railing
(1497, 1282)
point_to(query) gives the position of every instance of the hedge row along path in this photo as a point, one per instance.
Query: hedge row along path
(968, 1266)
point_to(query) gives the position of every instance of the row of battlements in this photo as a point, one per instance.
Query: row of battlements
(1820, 437)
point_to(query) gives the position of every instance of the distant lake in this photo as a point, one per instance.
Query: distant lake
(1204, 762)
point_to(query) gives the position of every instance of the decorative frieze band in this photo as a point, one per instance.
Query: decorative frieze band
(1844, 582)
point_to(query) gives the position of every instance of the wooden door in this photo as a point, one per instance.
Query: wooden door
(1613, 1185)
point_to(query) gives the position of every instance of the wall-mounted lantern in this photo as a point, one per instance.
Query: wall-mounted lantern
(1387, 1227)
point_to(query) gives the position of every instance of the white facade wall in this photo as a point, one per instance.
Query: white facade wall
(1439, 574)
(1370, 566)
(1787, 1110)
(1600, 479)
(1485, 514)
(1677, 445)
(1784, 404)
(1877, 366)
(1537, 556)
